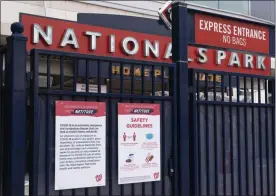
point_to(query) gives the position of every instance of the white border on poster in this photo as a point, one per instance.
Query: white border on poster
(139, 146)
(80, 144)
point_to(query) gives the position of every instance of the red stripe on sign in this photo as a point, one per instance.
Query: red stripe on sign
(80, 108)
(138, 109)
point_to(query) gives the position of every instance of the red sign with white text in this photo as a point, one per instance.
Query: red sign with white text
(84, 42)
(103, 46)
(226, 33)
(226, 64)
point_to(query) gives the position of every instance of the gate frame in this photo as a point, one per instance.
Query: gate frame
(35, 92)
(15, 102)
(186, 99)
(180, 57)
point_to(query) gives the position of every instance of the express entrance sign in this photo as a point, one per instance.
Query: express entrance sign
(226, 33)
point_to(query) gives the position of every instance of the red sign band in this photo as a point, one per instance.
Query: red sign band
(53, 34)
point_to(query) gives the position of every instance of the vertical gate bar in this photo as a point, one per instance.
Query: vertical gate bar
(131, 100)
(87, 76)
(162, 81)
(98, 98)
(267, 138)
(153, 94)
(61, 72)
(231, 137)
(61, 79)
(153, 80)
(15, 115)
(143, 92)
(193, 144)
(121, 94)
(162, 149)
(173, 85)
(273, 130)
(75, 80)
(1, 121)
(48, 135)
(121, 78)
(260, 136)
(180, 27)
(48, 71)
(253, 137)
(99, 76)
(198, 139)
(110, 77)
(110, 135)
(273, 144)
(132, 80)
(86, 98)
(143, 80)
(273, 90)
(239, 137)
(215, 135)
(246, 137)
(163, 132)
(33, 188)
(207, 135)
(75, 77)
(223, 136)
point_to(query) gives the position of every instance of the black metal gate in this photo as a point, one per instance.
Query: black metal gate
(131, 88)
(233, 134)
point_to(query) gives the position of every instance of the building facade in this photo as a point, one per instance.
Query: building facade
(258, 12)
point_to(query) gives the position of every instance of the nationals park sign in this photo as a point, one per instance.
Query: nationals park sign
(55, 34)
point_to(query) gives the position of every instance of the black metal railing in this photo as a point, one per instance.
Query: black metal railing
(62, 77)
(233, 134)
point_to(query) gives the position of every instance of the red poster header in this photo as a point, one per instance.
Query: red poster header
(80, 108)
(138, 109)
(221, 32)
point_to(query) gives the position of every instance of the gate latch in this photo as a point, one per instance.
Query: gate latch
(170, 167)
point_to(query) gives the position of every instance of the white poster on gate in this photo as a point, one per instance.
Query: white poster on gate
(80, 148)
(138, 143)
(93, 88)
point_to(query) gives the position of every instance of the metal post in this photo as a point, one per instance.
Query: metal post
(15, 113)
(180, 57)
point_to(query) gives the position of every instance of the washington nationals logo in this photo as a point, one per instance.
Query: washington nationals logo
(98, 177)
(156, 175)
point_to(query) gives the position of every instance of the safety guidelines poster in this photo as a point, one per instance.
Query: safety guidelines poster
(80, 156)
(138, 142)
